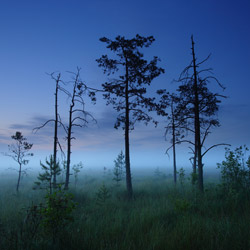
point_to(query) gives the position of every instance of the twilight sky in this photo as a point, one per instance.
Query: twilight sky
(39, 37)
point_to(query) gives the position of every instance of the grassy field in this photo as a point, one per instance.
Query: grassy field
(160, 216)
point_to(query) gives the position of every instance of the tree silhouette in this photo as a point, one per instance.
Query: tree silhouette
(76, 170)
(45, 179)
(19, 152)
(57, 122)
(127, 91)
(198, 106)
(174, 124)
(119, 168)
(78, 116)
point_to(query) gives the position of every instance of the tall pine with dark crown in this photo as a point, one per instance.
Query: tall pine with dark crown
(126, 92)
(174, 122)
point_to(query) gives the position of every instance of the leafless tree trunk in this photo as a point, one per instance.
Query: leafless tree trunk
(127, 155)
(174, 142)
(197, 125)
(69, 136)
(56, 123)
(19, 177)
(56, 128)
(77, 116)
(69, 130)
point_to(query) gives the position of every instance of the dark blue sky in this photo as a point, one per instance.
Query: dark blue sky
(46, 36)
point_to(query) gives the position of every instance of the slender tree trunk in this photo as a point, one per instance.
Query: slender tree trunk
(195, 157)
(68, 150)
(55, 132)
(50, 182)
(174, 153)
(174, 161)
(195, 160)
(19, 177)
(127, 155)
(200, 171)
(69, 138)
(197, 123)
(194, 165)
(195, 151)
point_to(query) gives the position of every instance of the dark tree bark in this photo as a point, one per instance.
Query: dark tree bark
(57, 122)
(174, 126)
(78, 116)
(126, 92)
(198, 105)
(19, 177)
(174, 142)
(69, 132)
(197, 124)
(56, 128)
(127, 154)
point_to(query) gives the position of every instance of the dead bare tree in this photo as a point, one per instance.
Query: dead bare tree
(57, 122)
(78, 116)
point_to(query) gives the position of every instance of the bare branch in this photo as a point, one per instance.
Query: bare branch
(189, 129)
(204, 60)
(191, 149)
(219, 95)
(62, 126)
(64, 90)
(216, 145)
(78, 118)
(214, 78)
(37, 128)
(78, 110)
(205, 70)
(206, 133)
(62, 152)
(179, 142)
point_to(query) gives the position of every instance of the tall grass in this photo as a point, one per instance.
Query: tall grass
(160, 216)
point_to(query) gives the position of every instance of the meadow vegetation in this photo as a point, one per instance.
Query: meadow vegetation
(97, 214)
(50, 210)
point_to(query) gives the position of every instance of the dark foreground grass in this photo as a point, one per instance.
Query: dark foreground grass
(160, 216)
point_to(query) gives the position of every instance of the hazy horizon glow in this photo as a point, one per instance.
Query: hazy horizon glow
(40, 37)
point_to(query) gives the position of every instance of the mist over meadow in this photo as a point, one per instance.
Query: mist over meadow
(125, 125)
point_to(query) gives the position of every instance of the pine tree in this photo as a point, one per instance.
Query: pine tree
(46, 178)
(119, 168)
(127, 91)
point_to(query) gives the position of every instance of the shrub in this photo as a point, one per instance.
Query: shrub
(102, 195)
(57, 212)
(235, 170)
(119, 168)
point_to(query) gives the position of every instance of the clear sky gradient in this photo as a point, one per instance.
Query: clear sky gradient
(39, 37)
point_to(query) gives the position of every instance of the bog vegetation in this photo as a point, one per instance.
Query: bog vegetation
(64, 207)
(98, 214)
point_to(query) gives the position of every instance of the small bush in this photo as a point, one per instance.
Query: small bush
(235, 170)
(102, 195)
(57, 212)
